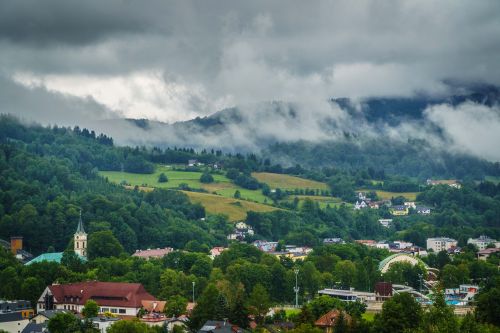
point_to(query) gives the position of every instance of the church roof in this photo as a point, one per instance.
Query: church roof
(79, 229)
(51, 257)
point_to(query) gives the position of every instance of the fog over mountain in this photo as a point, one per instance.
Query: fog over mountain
(279, 70)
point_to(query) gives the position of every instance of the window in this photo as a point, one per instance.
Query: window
(114, 311)
(104, 309)
(122, 310)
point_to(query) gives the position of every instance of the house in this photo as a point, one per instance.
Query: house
(450, 182)
(153, 253)
(333, 241)
(192, 163)
(15, 315)
(219, 326)
(410, 204)
(328, 321)
(362, 196)
(103, 323)
(441, 244)
(423, 210)
(43, 317)
(119, 298)
(216, 251)
(154, 313)
(265, 246)
(399, 210)
(385, 222)
(16, 248)
(241, 230)
(367, 242)
(360, 205)
(454, 250)
(482, 242)
(484, 254)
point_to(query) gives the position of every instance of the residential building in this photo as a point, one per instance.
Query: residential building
(367, 242)
(423, 210)
(410, 204)
(181, 321)
(399, 210)
(360, 205)
(15, 315)
(450, 182)
(265, 246)
(333, 241)
(153, 253)
(482, 242)
(441, 244)
(216, 251)
(385, 222)
(484, 254)
(16, 248)
(219, 326)
(43, 317)
(122, 299)
(328, 321)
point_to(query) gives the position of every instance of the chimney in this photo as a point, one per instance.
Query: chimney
(16, 243)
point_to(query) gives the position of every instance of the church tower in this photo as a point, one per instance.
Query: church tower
(80, 239)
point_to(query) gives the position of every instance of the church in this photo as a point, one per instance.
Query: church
(80, 247)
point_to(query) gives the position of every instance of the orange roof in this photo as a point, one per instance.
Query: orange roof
(330, 319)
(153, 306)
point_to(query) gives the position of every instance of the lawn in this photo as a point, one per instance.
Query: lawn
(368, 316)
(384, 195)
(275, 180)
(235, 209)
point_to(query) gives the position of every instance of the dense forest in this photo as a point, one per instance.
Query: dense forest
(48, 174)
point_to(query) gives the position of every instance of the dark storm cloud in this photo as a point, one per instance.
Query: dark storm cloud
(173, 60)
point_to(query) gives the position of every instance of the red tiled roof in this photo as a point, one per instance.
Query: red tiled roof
(330, 319)
(104, 293)
(154, 253)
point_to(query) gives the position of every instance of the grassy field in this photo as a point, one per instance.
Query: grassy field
(175, 178)
(384, 195)
(322, 200)
(275, 180)
(236, 210)
(492, 179)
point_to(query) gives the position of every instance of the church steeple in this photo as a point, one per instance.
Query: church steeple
(80, 239)
(79, 229)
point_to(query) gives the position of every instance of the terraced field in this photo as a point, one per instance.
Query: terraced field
(275, 180)
(235, 209)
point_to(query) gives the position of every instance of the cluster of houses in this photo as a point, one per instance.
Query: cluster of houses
(241, 231)
(395, 210)
(288, 251)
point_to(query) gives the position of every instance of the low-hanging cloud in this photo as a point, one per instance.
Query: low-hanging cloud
(91, 63)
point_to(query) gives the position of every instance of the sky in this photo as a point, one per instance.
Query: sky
(85, 62)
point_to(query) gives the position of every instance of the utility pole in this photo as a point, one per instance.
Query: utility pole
(296, 288)
(193, 290)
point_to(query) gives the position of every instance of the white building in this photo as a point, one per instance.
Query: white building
(441, 244)
(385, 222)
(482, 242)
(103, 323)
(360, 205)
(80, 239)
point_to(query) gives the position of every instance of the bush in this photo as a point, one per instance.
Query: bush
(206, 178)
(162, 178)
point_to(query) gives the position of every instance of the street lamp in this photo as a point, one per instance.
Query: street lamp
(193, 290)
(296, 288)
